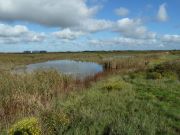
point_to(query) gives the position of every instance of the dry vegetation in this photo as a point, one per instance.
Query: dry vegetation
(134, 95)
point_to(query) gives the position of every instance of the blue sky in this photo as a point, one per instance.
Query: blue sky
(79, 25)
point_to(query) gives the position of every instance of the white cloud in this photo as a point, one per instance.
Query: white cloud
(127, 27)
(62, 13)
(122, 11)
(123, 41)
(126, 23)
(162, 13)
(94, 25)
(73, 16)
(133, 28)
(171, 38)
(68, 34)
(130, 30)
(19, 33)
(159, 42)
(6, 30)
(86, 27)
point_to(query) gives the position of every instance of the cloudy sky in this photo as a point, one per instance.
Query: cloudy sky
(78, 25)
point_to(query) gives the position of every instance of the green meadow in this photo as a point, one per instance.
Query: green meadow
(138, 93)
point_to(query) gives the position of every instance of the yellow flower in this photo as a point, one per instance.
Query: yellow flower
(27, 126)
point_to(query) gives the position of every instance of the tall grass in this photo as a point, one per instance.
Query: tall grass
(126, 64)
(27, 94)
(139, 102)
(9, 61)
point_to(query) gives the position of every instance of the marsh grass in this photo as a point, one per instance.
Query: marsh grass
(128, 98)
(118, 111)
(27, 94)
(136, 63)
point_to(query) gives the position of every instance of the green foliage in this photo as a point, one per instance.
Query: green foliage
(54, 123)
(116, 85)
(123, 102)
(170, 75)
(163, 94)
(97, 111)
(154, 75)
(27, 126)
(170, 70)
(169, 67)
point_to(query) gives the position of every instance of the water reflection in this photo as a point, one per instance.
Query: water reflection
(76, 68)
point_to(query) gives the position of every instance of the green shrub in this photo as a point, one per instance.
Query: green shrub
(169, 70)
(168, 67)
(136, 75)
(27, 126)
(170, 75)
(116, 85)
(54, 122)
(153, 75)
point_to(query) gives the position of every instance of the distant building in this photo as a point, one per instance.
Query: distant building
(35, 51)
(43, 51)
(27, 52)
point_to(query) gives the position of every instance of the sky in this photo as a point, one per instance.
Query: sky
(89, 25)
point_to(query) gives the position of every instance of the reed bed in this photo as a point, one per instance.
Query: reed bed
(27, 94)
(129, 97)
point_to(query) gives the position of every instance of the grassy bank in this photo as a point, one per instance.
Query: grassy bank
(9, 61)
(137, 95)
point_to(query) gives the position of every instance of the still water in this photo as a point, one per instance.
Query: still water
(77, 69)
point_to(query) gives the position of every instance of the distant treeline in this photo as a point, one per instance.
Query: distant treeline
(27, 52)
(110, 51)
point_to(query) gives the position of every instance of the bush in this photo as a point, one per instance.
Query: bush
(136, 75)
(116, 85)
(154, 75)
(168, 67)
(170, 75)
(170, 70)
(27, 126)
(54, 122)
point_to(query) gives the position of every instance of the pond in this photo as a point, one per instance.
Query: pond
(77, 69)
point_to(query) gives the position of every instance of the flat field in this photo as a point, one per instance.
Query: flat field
(137, 93)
